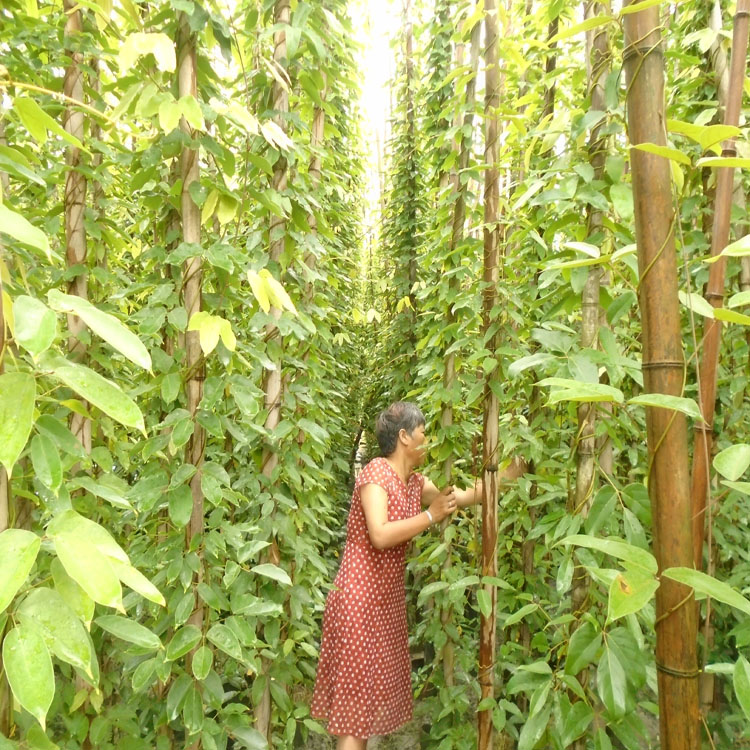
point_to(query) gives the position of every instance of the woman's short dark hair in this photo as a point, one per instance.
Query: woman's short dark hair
(403, 415)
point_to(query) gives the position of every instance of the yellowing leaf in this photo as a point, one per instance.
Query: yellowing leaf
(277, 293)
(276, 136)
(191, 111)
(227, 209)
(209, 206)
(140, 44)
(259, 288)
(169, 115)
(210, 328)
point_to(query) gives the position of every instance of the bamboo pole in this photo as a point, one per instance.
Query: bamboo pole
(192, 277)
(715, 287)
(272, 381)
(75, 199)
(6, 703)
(663, 366)
(463, 144)
(490, 457)
(411, 205)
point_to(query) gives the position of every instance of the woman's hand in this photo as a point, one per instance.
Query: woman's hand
(444, 504)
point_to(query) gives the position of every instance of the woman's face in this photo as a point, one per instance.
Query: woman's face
(417, 446)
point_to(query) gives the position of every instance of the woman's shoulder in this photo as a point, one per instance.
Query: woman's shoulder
(375, 471)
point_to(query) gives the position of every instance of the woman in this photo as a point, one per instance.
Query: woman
(363, 684)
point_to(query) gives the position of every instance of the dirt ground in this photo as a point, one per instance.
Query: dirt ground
(406, 738)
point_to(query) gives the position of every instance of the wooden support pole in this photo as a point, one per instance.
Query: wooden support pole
(491, 457)
(715, 287)
(663, 368)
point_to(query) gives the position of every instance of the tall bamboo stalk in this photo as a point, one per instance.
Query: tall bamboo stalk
(490, 456)
(663, 367)
(463, 145)
(715, 287)
(272, 382)
(192, 277)
(75, 198)
(411, 206)
(6, 704)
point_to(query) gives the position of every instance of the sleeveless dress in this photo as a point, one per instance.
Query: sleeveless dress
(363, 683)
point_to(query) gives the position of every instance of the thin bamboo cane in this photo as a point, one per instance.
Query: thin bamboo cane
(192, 279)
(715, 287)
(664, 367)
(488, 623)
(272, 381)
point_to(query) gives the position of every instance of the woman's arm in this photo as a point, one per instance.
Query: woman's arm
(473, 495)
(385, 533)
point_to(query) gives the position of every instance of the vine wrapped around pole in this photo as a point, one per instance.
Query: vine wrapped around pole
(488, 625)
(663, 372)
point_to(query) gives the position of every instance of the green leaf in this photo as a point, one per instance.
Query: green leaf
(587, 25)
(629, 593)
(663, 401)
(75, 597)
(565, 575)
(140, 44)
(169, 115)
(106, 486)
(184, 640)
(36, 324)
(38, 122)
(573, 390)
(90, 569)
(45, 458)
(723, 161)
(107, 326)
(484, 600)
(520, 614)
(28, 668)
(191, 111)
(143, 675)
(583, 647)
(611, 683)
(696, 303)
(621, 196)
(534, 728)
(741, 682)
(102, 393)
(129, 630)
(181, 505)
(617, 548)
(61, 628)
(225, 639)
(639, 6)
(203, 660)
(731, 316)
(269, 570)
(705, 135)
(732, 462)
(539, 359)
(18, 551)
(249, 738)
(17, 397)
(739, 300)
(737, 249)
(705, 584)
(430, 590)
(133, 578)
(665, 151)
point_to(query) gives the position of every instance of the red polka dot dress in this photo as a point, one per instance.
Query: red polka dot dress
(363, 684)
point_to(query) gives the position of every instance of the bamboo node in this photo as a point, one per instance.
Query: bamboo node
(642, 50)
(704, 427)
(714, 295)
(663, 363)
(689, 674)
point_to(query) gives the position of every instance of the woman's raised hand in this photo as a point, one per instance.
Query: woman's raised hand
(444, 504)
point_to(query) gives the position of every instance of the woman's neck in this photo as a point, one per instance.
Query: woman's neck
(401, 465)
